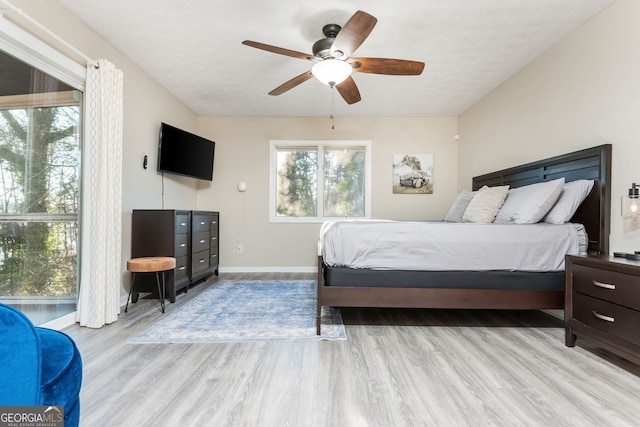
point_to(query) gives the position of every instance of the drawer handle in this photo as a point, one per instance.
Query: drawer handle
(603, 317)
(201, 261)
(202, 223)
(182, 224)
(214, 222)
(182, 245)
(604, 285)
(182, 267)
(214, 255)
(202, 241)
(214, 238)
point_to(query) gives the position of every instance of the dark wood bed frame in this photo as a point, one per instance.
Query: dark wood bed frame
(594, 213)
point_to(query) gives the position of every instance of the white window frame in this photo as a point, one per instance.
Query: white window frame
(24, 46)
(319, 144)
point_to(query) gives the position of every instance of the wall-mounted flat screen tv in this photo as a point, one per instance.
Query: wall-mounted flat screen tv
(183, 153)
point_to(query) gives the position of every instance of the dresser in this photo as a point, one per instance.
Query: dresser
(191, 237)
(602, 302)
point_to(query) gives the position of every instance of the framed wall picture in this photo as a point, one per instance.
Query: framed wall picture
(413, 173)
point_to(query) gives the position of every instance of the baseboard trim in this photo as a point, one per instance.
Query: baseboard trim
(267, 269)
(59, 323)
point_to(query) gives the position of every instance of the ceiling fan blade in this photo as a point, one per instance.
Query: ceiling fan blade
(353, 33)
(394, 67)
(349, 91)
(291, 83)
(279, 50)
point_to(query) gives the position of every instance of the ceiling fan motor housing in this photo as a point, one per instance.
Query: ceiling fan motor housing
(322, 48)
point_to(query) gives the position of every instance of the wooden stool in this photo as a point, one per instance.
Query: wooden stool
(150, 265)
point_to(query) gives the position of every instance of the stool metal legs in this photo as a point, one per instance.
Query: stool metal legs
(161, 289)
(133, 281)
(160, 292)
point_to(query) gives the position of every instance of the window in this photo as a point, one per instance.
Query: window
(40, 121)
(312, 181)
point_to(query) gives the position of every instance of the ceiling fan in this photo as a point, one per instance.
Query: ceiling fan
(333, 61)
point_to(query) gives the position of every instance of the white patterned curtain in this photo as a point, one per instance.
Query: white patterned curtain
(100, 275)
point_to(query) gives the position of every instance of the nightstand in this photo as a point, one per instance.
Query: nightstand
(602, 302)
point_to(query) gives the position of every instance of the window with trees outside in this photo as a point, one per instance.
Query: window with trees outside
(40, 142)
(314, 181)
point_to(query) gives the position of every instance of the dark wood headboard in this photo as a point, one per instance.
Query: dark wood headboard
(591, 163)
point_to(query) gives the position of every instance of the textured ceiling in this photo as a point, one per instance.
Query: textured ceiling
(193, 48)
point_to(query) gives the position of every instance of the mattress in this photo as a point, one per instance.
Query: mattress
(443, 246)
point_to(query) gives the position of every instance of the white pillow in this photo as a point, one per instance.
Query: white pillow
(459, 205)
(530, 203)
(573, 194)
(485, 204)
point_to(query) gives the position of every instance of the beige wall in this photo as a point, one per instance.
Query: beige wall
(242, 154)
(583, 92)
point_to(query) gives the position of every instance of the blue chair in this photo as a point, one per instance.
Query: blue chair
(38, 366)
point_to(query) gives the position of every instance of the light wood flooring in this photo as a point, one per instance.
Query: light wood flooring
(397, 368)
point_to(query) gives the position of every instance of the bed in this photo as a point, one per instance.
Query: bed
(513, 287)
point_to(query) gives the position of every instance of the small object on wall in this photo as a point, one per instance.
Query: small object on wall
(413, 173)
(631, 202)
(242, 186)
(145, 162)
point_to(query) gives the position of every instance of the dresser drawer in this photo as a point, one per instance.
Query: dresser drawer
(182, 224)
(612, 286)
(200, 241)
(200, 223)
(200, 262)
(611, 318)
(182, 245)
(181, 268)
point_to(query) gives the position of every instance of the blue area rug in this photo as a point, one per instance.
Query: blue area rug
(247, 310)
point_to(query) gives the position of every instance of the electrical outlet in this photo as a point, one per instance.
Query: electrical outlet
(239, 248)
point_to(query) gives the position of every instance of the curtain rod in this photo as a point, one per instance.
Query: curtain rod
(22, 14)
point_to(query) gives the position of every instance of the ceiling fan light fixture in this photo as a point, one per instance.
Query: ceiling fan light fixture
(331, 71)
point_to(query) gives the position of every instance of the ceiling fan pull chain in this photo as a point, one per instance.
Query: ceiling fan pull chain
(332, 104)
